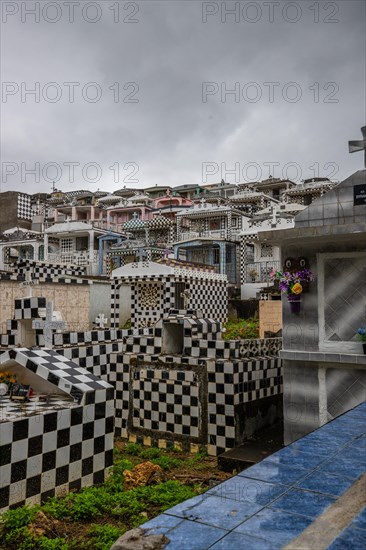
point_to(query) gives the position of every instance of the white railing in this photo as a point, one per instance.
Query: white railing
(258, 272)
(216, 234)
(73, 258)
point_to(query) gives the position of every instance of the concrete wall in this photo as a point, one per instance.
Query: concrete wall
(100, 296)
(270, 316)
(73, 301)
(317, 392)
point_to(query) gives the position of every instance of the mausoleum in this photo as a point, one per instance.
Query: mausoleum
(324, 363)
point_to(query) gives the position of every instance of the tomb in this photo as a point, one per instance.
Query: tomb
(178, 382)
(173, 381)
(61, 437)
(56, 418)
(157, 287)
(324, 362)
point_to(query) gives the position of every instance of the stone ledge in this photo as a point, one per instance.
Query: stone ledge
(324, 357)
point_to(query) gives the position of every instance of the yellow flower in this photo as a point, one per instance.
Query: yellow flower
(297, 288)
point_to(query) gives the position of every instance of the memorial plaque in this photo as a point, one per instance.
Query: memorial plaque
(359, 194)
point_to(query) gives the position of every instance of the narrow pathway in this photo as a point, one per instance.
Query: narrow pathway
(309, 495)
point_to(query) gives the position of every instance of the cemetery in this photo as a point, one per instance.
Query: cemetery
(147, 366)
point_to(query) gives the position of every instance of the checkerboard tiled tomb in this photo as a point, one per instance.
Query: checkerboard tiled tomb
(155, 289)
(53, 445)
(176, 383)
(43, 271)
(185, 386)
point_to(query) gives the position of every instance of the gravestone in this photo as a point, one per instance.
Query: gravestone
(48, 325)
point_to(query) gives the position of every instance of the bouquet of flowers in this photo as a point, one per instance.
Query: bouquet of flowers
(292, 283)
(7, 378)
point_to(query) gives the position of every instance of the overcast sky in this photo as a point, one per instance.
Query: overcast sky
(172, 65)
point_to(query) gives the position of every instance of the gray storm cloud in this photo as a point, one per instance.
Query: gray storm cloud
(155, 92)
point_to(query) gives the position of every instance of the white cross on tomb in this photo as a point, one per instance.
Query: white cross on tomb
(101, 321)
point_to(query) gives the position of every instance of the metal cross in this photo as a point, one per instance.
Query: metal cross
(101, 321)
(48, 325)
(28, 283)
(360, 145)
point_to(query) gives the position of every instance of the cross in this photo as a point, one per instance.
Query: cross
(48, 325)
(101, 321)
(28, 283)
(360, 145)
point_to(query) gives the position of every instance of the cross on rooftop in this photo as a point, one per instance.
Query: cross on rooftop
(359, 145)
(28, 283)
(101, 321)
(48, 325)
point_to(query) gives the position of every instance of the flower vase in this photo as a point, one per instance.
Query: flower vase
(295, 306)
(4, 388)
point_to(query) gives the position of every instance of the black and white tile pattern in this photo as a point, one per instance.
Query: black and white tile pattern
(44, 271)
(48, 452)
(165, 401)
(24, 206)
(59, 371)
(29, 308)
(208, 294)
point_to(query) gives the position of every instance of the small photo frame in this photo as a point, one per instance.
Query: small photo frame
(19, 392)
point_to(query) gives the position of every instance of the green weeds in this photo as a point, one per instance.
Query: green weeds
(241, 329)
(95, 517)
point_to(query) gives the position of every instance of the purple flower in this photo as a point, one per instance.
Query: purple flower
(287, 280)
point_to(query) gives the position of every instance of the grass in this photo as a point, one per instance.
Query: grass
(241, 329)
(94, 518)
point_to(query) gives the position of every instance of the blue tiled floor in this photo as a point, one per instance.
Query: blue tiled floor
(271, 503)
(350, 539)
(274, 525)
(360, 520)
(276, 473)
(344, 466)
(354, 536)
(197, 535)
(325, 483)
(247, 489)
(238, 541)
(302, 502)
(215, 511)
